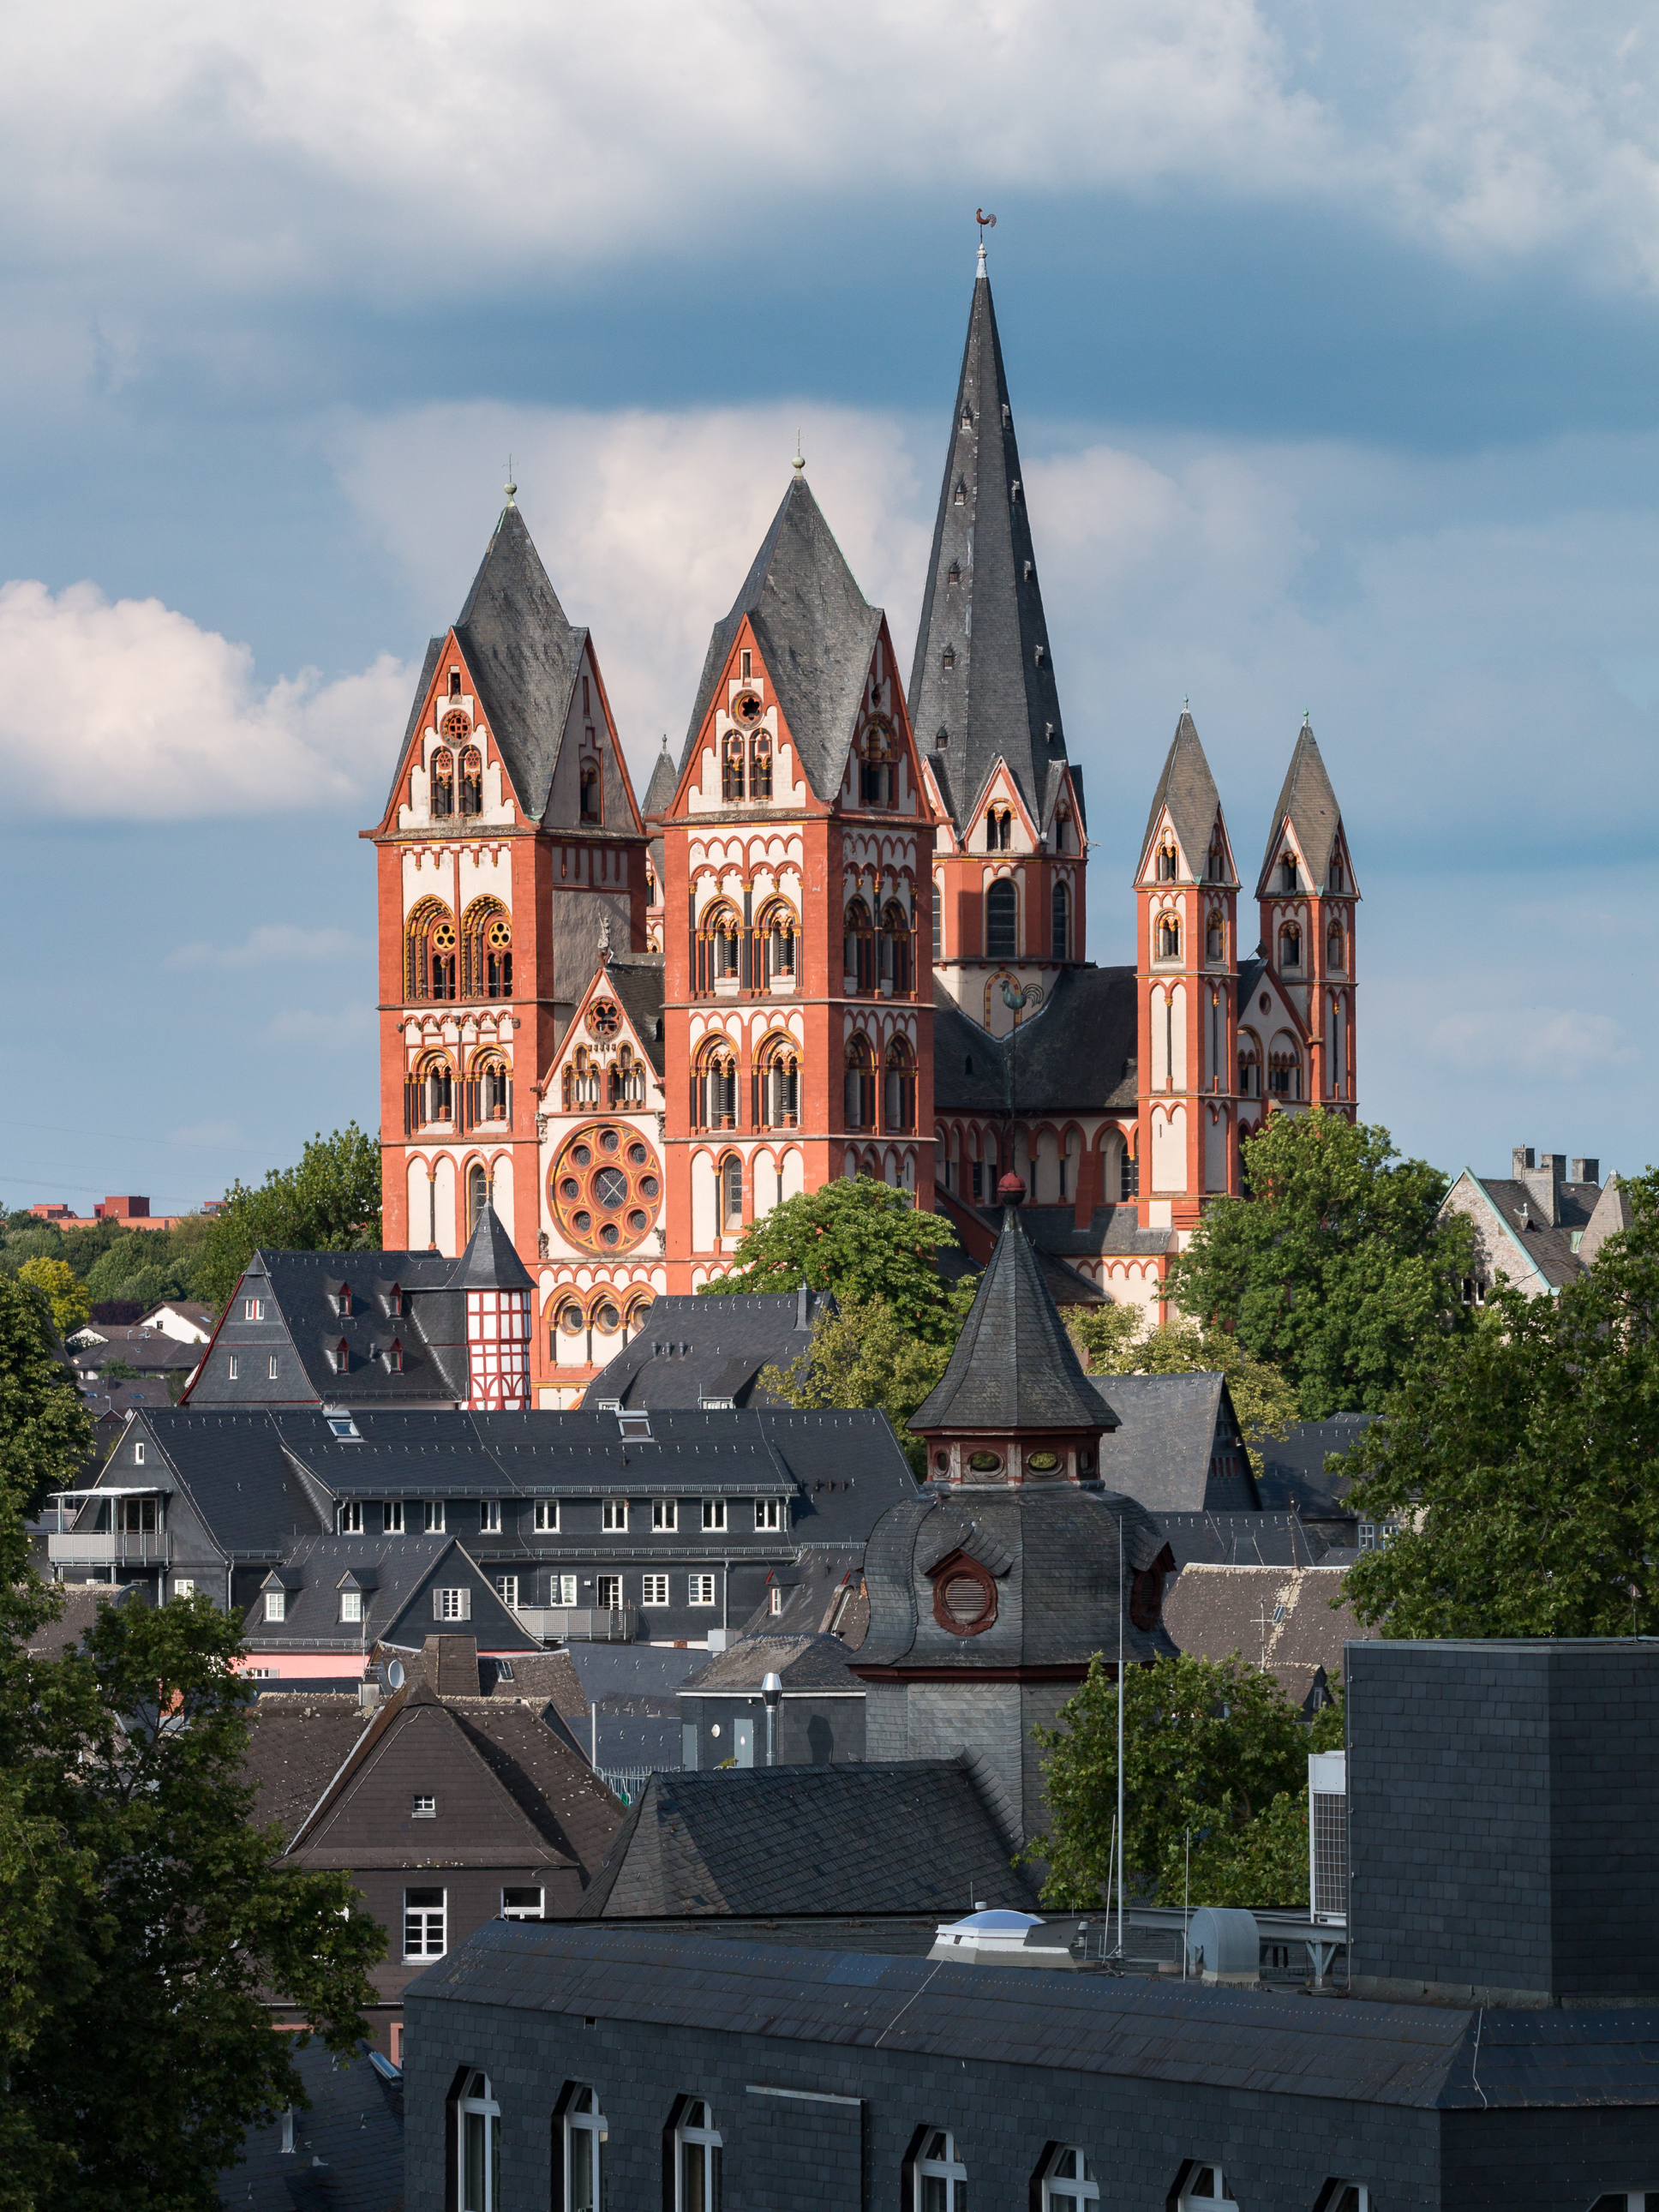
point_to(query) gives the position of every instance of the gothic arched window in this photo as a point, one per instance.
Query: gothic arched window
(897, 963)
(593, 791)
(717, 947)
(732, 779)
(487, 951)
(473, 781)
(939, 920)
(899, 1104)
(998, 829)
(478, 1194)
(1284, 1068)
(1336, 949)
(730, 1183)
(1287, 873)
(860, 970)
(443, 782)
(759, 766)
(1289, 946)
(1060, 922)
(861, 1101)
(778, 1090)
(429, 953)
(1001, 920)
(715, 1103)
(1335, 882)
(1166, 862)
(777, 941)
(1169, 937)
(1215, 936)
(436, 1087)
(1249, 1065)
(878, 772)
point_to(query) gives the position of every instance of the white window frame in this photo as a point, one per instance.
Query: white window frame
(1213, 2199)
(392, 1517)
(507, 1588)
(424, 1921)
(1069, 2192)
(489, 1517)
(432, 1516)
(183, 1586)
(423, 1806)
(276, 1604)
(653, 1589)
(602, 1583)
(665, 1513)
(451, 1604)
(272, 1376)
(253, 1308)
(583, 2118)
(547, 1517)
(613, 1514)
(477, 2147)
(774, 1599)
(698, 2141)
(561, 1590)
(352, 1605)
(522, 1911)
(700, 1590)
(938, 2163)
(138, 1454)
(713, 1513)
(230, 1367)
(351, 1518)
(768, 1513)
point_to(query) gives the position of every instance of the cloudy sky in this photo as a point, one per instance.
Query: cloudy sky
(1331, 336)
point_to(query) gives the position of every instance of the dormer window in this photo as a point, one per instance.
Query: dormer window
(276, 1604)
(342, 1356)
(394, 1299)
(394, 1357)
(959, 496)
(948, 658)
(953, 574)
(351, 1605)
(967, 415)
(345, 1298)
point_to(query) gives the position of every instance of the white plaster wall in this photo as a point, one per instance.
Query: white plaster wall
(702, 1202)
(794, 1174)
(1178, 999)
(419, 1226)
(1169, 1149)
(446, 1198)
(500, 1190)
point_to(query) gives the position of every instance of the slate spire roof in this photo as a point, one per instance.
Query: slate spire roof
(1187, 789)
(664, 780)
(490, 1262)
(998, 699)
(1308, 803)
(816, 633)
(1014, 1369)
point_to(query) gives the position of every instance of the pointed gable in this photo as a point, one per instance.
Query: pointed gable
(982, 686)
(665, 780)
(1187, 790)
(490, 1262)
(815, 633)
(1308, 804)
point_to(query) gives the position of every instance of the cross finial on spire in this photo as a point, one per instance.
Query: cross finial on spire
(509, 487)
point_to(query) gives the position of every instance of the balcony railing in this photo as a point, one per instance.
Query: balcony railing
(109, 1547)
(581, 1624)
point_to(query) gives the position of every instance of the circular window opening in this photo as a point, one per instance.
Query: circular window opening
(649, 1186)
(609, 1234)
(609, 1187)
(570, 1320)
(637, 1155)
(582, 1156)
(570, 1187)
(984, 1463)
(608, 1141)
(638, 1222)
(1042, 1462)
(966, 1600)
(583, 1221)
(607, 1318)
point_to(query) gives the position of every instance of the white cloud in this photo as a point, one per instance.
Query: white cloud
(133, 711)
(273, 942)
(314, 142)
(1567, 1044)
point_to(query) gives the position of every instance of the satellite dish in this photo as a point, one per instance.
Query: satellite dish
(394, 1673)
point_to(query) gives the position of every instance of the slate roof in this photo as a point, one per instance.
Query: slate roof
(151, 1351)
(1052, 1551)
(1422, 2057)
(664, 780)
(524, 656)
(490, 1262)
(800, 1660)
(637, 980)
(690, 1348)
(232, 1467)
(1187, 789)
(347, 2154)
(1076, 1054)
(816, 633)
(822, 1593)
(1014, 1366)
(298, 1742)
(1307, 801)
(914, 1835)
(83, 1602)
(392, 1572)
(1584, 1213)
(1162, 1452)
(1276, 1618)
(998, 700)
(1293, 1476)
(536, 1678)
(1245, 1540)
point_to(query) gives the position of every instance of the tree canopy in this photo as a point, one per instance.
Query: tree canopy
(863, 1240)
(64, 1290)
(1336, 1268)
(865, 1354)
(1215, 1759)
(1115, 1342)
(330, 1202)
(1521, 1469)
(45, 1432)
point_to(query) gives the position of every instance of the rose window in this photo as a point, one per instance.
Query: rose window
(603, 1020)
(456, 723)
(606, 1187)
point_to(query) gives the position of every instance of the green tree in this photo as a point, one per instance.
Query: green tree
(865, 1354)
(65, 1291)
(1521, 1470)
(45, 1432)
(142, 1917)
(1336, 1268)
(862, 1239)
(1109, 1337)
(1215, 1759)
(330, 1202)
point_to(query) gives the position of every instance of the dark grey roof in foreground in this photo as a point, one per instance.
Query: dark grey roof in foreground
(1014, 1366)
(1294, 1477)
(524, 655)
(816, 633)
(392, 1572)
(490, 1262)
(297, 1743)
(909, 1837)
(1187, 789)
(1307, 801)
(347, 2151)
(1169, 1430)
(1416, 2056)
(690, 1348)
(998, 699)
(800, 1660)
(1244, 1539)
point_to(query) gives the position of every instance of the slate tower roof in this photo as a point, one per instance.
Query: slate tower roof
(665, 777)
(998, 699)
(490, 1262)
(1187, 789)
(816, 632)
(1308, 803)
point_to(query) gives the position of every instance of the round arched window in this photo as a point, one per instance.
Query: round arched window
(605, 1189)
(984, 1463)
(964, 1596)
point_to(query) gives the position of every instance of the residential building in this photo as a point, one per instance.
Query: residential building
(1541, 1227)
(1291, 1623)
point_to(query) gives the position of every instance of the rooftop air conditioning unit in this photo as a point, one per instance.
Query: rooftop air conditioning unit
(1328, 1837)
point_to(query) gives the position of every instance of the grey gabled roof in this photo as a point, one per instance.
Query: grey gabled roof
(401, 1567)
(524, 656)
(1308, 803)
(815, 631)
(690, 1345)
(1077, 1053)
(1014, 1367)
(435, 647)
(637, 980)
(999, 699)
(665, 781)
(1609, 1218)
(490, 1262)
(908, 1836)
(800, 1659)
(1187, 789)
(1166, 1439)
(298, 1740)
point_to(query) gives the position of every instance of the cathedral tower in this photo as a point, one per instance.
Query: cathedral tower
(1186, 966)
(1009, 852)
(797, 986)
(1307, 895)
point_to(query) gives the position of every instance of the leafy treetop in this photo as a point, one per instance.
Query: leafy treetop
(1523, 1467)
(861, 1240)
(865, 1354)
(1111, 1340)
(330, 1202)
(1336, 1268)
(45, 1432)
(65, 1291)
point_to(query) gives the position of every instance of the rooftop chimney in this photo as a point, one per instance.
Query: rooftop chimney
(1584, 1171)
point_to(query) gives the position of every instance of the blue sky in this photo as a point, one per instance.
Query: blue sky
(1333, 347)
